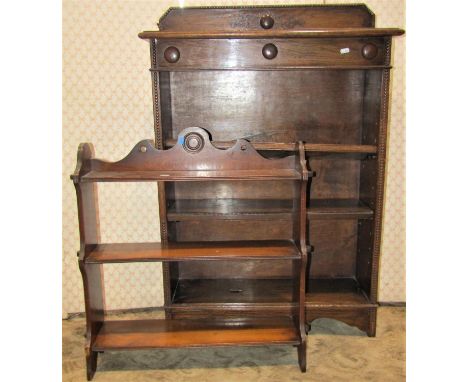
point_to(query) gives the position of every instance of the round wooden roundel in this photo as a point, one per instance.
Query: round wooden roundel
(266, 22)
(172, 54)
(193, 142)
(270, 51)
(369, 51)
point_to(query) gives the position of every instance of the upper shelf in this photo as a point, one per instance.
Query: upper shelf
(283, 146)
(192, 158)
(271, 34)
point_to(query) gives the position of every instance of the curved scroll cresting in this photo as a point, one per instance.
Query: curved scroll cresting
(193, 152)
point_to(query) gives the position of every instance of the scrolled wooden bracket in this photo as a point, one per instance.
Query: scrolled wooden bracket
(84, 154)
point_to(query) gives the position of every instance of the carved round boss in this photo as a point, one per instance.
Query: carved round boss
(193, 142)
(172, 54)
(266, 22)
(369, 51)
(270, 51)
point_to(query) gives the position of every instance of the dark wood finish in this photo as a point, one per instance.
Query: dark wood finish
(225, 250)
(172, 54)
(293, 231)
(225, 292)
(271, 53)
(93, 283)
(315, 91)
(244, 18)
(228, 209)
(362, 318)
(192, 158)
(263, 209)
(309, 147)
(370, 51)
(338, 108)
(338, 209)
(336, 292)
(267, 22)
(315, 33)
(150, 334)
(321, 293)
(145, 162)
(251, 105)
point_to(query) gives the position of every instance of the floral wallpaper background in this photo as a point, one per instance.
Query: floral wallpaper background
(107, 101)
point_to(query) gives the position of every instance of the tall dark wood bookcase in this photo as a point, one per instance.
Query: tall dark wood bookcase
(275, 76)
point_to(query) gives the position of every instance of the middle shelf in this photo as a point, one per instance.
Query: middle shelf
(263, 209)
(185, 251)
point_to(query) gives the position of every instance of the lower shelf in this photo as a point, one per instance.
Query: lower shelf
(226, 293)
(146, 334)
(340, 292)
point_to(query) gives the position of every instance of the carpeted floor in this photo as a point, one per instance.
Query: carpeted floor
(336, 352)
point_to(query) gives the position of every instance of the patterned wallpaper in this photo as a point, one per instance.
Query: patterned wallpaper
(107, 101)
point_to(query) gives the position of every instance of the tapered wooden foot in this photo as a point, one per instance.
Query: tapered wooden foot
(371, 326)
(91, 364)
(370, 331)
(302, 356)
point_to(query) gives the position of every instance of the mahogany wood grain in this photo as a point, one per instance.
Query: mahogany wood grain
(282, 146)
(134, 176)
(92, 275)
(342, 292)
(334, 243)
(311, 81)
(256, 209)
(147, 334)
(145, 162)
(233, 291)
(290, 17)
(316, 107)
(185, 251)
(235, 53)
(312, 33)
(320, 209)
(263, 209)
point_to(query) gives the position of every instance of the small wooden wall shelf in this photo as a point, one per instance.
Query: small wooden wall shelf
(193, 158)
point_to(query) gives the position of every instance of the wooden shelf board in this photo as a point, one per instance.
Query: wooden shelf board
(186, 251)
(311, 147)
(338, 293)
(146, 334)
(268, 68)
(262, 34)
(339, 208)
(134, 176)
(263, 209)
(217, 294)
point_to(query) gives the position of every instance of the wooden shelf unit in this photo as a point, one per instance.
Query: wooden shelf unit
(275, 76)
(192, 153)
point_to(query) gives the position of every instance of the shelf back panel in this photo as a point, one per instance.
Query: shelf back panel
(323, 106)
